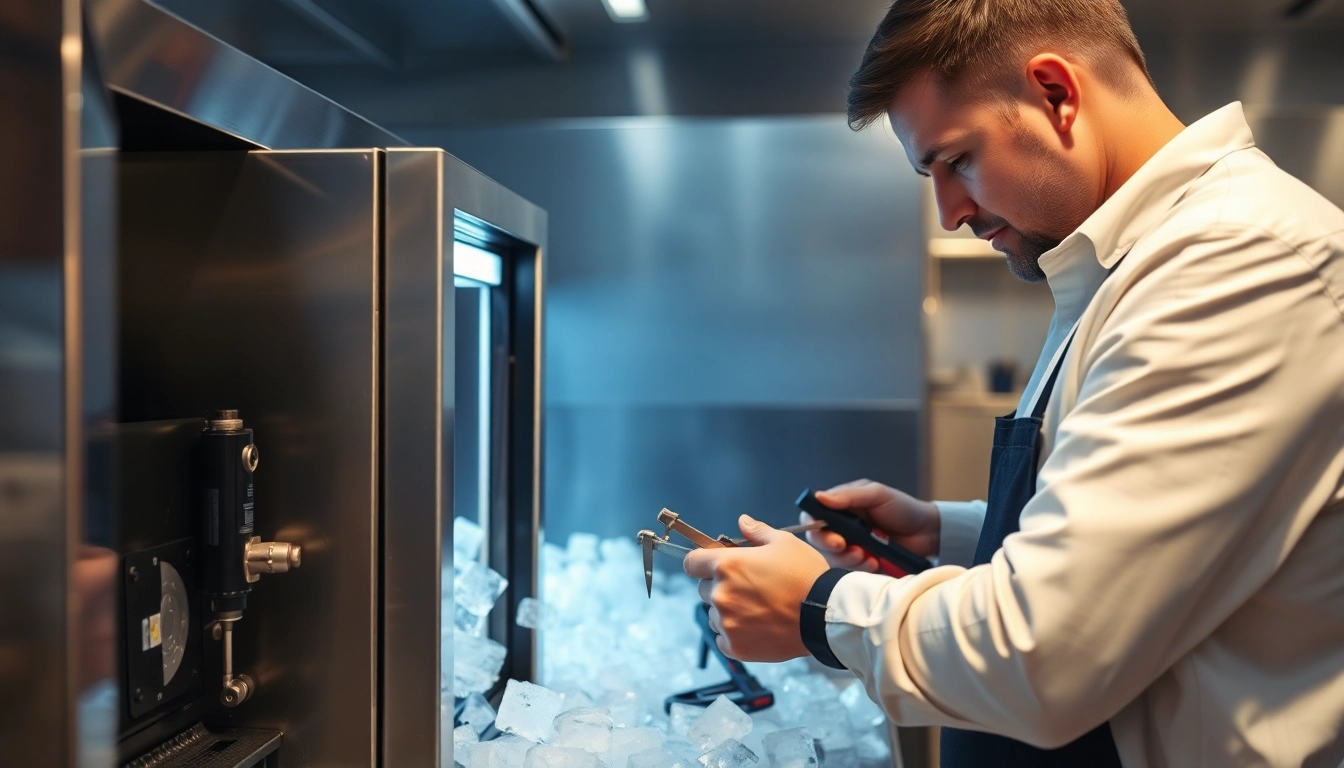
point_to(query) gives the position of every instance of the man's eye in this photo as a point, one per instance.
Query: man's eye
(958, 163)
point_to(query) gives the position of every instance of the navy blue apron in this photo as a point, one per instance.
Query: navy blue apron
(1012, 482)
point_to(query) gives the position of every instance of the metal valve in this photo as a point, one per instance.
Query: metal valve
(270, 557)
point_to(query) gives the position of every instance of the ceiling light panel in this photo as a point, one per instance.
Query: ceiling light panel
(626, 10)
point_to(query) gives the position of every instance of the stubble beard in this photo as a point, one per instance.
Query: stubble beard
(1052, 186)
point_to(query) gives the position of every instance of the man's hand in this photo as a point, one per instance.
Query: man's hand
(910, 522)
(755, 592)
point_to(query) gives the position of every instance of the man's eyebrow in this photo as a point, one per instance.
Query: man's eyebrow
(935, 150)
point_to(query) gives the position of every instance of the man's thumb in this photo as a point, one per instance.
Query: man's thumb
(756, 531)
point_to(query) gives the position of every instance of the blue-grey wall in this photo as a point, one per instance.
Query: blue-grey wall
(733, 311)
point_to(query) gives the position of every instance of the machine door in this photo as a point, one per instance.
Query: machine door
(462, 442)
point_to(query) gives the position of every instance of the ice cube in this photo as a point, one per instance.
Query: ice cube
(688, 755)
(584, 727)
(680, 718)
(762, 725)
(464, 738)
(510, 751)
(467, 537)
(828, 721)
(720, 721)
(838, 758)
(467, 621)
(863, 712)
(549, 756)
(504, 752)
(534, 614)
(482, 754)
(658, 757)
(476, 663)
(791, 749)
(729, 754)
(627, 711)
(628, 741)
(796, 697)
(576, 699)
(582, 548)
(478, 712)
(476, 587)
(528, 710)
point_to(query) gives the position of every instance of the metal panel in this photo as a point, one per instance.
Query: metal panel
(418, 457)
(611, 468)
(154, 56)
(55, 629)
(720, 261)
(251, 281)
(427, 190)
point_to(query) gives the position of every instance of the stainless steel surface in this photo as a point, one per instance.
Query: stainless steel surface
(756, 285)
(55, 384)
(606, 465)
(536, 28)
(252, 279)
(426, 190)
(152, 55)
(355, 23)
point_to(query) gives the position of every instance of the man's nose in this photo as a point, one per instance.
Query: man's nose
(955, 207)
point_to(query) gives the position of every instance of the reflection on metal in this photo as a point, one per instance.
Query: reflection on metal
(719, 460)
(56, 573)
(261, 291)
(153, 56)
(536, 27)
(356, 24)
(428, 194)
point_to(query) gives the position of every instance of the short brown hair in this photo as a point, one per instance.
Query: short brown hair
(982, 41)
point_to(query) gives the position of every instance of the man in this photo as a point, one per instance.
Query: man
(1175, 593)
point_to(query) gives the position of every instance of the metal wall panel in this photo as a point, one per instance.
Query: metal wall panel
(55, 385)
(251, 281)
(610, 469)
(710, 283)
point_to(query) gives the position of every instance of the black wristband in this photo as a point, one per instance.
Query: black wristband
(812, 617)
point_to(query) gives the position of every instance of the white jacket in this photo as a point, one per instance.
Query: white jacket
(1180, 570)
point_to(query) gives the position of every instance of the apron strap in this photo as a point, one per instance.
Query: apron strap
(1039, 399)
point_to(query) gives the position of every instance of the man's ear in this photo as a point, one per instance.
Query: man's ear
(1052, 85)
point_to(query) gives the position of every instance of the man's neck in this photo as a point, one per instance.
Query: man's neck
(1144, 128)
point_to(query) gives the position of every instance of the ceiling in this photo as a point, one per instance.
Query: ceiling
(415, 35)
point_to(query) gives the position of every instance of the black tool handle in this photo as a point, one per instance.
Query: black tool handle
(892, 558)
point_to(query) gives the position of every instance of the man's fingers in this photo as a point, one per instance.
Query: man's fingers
(860, 494)
(851, 558)
(699, 563)
(826, 541)
(706, 588)
(757, 532)
(715, 621)
(727, 649)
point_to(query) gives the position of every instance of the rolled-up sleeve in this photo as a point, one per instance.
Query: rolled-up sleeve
(1203, 418)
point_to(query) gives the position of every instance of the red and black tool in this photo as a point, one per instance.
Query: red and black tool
(892, 558)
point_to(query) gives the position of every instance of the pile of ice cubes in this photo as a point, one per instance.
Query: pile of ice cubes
(611, 655)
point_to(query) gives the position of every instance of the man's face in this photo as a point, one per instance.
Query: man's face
(998, 167)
